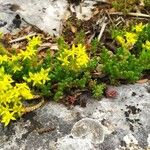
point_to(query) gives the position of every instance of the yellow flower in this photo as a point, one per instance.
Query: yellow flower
(7, 96)
(11, 102)
(131, 38)
(3, 58)
(24, 90)
(82, 60)
(139, 27)
(2, 71)
(39, 77)
(7, 116)
(35, 77)
(18, 108)
(44, 75)
(5, 80)
(14, 58)
(27, 54)
(63, 59)
(121, 40)
(34, 41)
(146, 45)
(74, 58)
(128, 40)
(31, 49)
(4, 109)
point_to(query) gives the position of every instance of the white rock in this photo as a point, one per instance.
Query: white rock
(74, 144)
(89, 129)
(130, 139)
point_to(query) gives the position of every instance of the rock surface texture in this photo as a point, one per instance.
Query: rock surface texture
(47, 15)
(122, 123)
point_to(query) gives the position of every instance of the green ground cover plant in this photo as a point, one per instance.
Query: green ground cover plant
(147, 3)
(127, 6)
(132, 56)
(23, 75)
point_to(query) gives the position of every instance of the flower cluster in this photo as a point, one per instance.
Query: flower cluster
(11, 96)
(128, 39)
(74, 58)
(31, 48)
(146, 45)
(132, 57)
(3, 58)
(12, 93)
(38, 78)
(15, 61)
(138, 28)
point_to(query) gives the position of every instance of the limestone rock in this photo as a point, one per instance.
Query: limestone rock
(110, 124)
(70, 143)
(47, 15)
(88, 129)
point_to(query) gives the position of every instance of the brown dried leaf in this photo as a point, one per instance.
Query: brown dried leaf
(73, 29)
(142, 81)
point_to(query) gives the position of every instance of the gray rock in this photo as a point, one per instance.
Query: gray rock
(125, 122)
(141, 135)
(111, 143)
(69, 143)
(88, 129)
(47, 15)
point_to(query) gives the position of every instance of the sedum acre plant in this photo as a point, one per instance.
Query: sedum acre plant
(75, 58)
(38, 78)
(23, 76)
(11, 97)
(15, 87)
(131, 58)
(72, 69)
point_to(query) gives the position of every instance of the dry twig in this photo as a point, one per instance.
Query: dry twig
(22, 38)
(130, 14)
(32, 108)
(102, 30)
